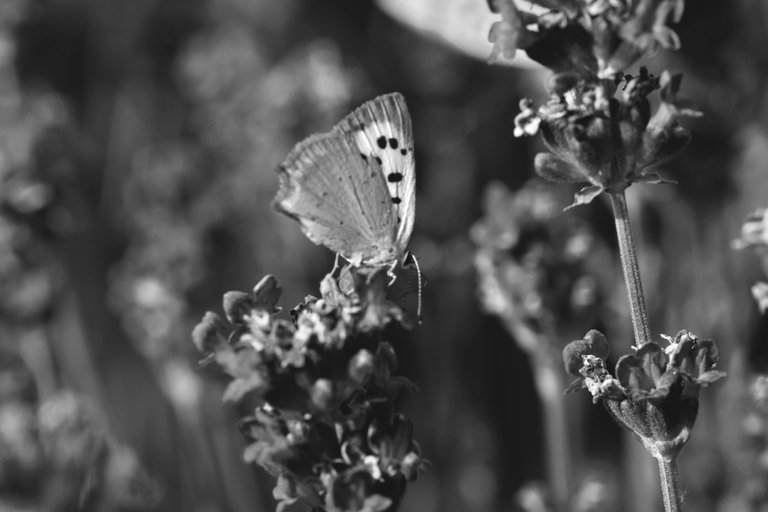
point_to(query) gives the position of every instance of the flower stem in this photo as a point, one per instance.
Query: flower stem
(547, 371)
(670, 485)
(631, 269)
(549, 384)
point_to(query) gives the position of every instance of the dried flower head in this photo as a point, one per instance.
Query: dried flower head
(654, 392)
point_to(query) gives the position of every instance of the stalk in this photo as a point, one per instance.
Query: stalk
(640, 324)
(549, 385)
(670, 485)
(668, 473)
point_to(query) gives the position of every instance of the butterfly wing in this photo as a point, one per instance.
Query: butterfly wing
(348, 192)
(382, 131)
(339, 199)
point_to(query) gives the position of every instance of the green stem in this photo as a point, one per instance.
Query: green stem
(631, 269)
(670, 485)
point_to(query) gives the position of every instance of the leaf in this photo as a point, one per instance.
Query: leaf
(576, 385)
(651, 177)
(709, 377)
(586, 195)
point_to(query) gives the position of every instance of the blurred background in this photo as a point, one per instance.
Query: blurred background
(138, 142)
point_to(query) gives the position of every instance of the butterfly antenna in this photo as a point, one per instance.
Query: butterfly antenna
(411, 259)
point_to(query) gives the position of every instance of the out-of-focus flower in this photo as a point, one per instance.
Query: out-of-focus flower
(324, 383)
(655, 390)
(754, 483)
(753, 231)
(21, 463)
(85, 466)
(759, 392)
(532, 261)
(754, 235)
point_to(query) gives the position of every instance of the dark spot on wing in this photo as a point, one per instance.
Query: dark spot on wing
(397, 200)
(382, 142)
(364, 157)
(394, 177)
(398, 220)
(324, 193)
(341, 223)
(378, 160)
(373, 174)
(403, 151)
(393, 143)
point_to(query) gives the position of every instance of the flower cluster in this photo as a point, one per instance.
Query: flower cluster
(597, 123)
(654, 392)
(602, 131)
(595, 37)
(323, 383)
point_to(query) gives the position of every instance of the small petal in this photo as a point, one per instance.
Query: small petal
(594, 343)
(654, 360)
(238, 306)
(504, 34)
(266, 294)
(631, 374)
(361, 367)
(760, 294)
(210, 334)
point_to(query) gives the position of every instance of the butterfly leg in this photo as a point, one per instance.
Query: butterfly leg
(336, 265)
(391, 273)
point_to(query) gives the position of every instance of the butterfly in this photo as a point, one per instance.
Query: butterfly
(352, 189)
